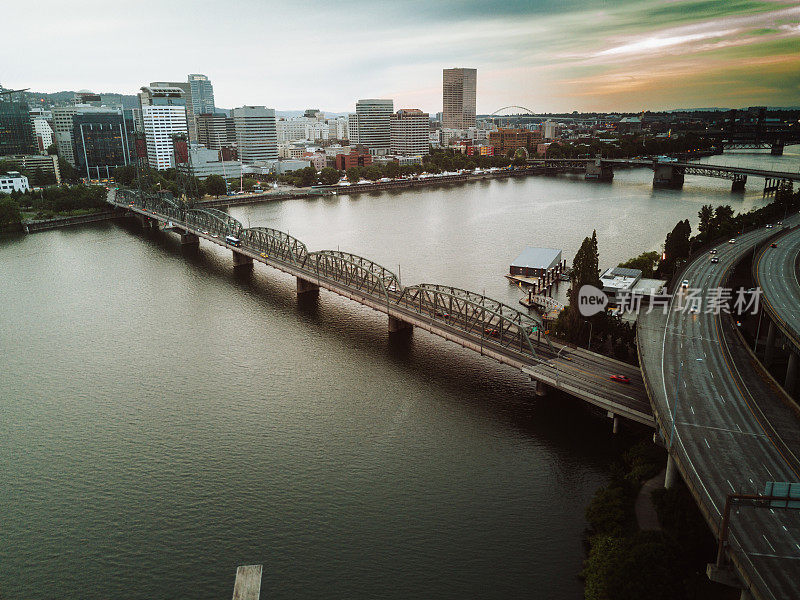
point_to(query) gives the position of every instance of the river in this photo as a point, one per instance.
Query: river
(164, 420)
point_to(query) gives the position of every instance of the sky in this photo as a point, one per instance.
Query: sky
(545, 55)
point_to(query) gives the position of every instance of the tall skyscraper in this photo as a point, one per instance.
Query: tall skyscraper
(256, 133)
(373, 124)
(411, 132)
(186, 88)
(458, 98)
(202, 94)
(163, 116)
(212, 130)
(16, 131)
(102, 139)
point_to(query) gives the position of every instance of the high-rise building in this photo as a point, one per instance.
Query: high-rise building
(410, 132)
(186, 88)
(458, 98)
(202, 94)
(62, 130)
(212, 131)
(373, 124)
(163, 116)
(102, 140)
(44, 134)
(256, 133)
(16, 132)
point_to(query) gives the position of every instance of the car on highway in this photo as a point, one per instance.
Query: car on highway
(769, 225)
(491, 331)
(773, 245)
(620, 378)
(685, 283)
(712, 251)
(732, 241)
(714, 259)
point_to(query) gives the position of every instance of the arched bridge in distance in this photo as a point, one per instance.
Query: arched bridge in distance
(469, 319)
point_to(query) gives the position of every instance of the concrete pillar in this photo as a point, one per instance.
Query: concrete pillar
(791, 372)
(242, 262)
(769, 350)
(738, 183)
(305, 287)
(397, 325)
(777, 149)
(539, 388)
(669, 476)
(665, 175)
(190, 240)
(615, 425)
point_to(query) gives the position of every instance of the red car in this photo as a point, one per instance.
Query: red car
(620, 378)
(492, 332)
(773, 245)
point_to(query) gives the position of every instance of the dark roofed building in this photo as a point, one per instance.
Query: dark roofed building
(535, 262)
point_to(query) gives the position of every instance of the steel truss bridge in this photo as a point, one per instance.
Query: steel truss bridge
(467, 318)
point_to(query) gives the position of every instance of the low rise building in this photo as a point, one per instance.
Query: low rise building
(204, 162)
(535, 262)
(48, 163)
(618, 280)
(356, 158)
(13, 181)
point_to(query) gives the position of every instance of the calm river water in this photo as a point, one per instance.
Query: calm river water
(163, 420)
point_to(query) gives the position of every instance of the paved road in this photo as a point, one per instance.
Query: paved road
(776, 275)
(700, 379)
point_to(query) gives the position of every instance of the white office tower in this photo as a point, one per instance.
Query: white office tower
(374, 124)
(163, 116)
(410, 132)
(256, 133)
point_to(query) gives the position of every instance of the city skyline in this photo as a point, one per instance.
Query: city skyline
(548, 56)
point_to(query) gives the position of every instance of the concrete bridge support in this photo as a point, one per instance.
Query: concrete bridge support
(614, 422)
(189, 240)
(145, 221)
(306, 288)
(397, 325)
(738, 183)
(669, 476)
(791, 373)
(667, 176)
(769, 350)
(599, 171)
(241, 262)
(776, 149)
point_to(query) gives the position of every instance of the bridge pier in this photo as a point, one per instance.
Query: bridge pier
(776, 149)
(738, 183)
(397, 325)
(242, 262)
(614, 422)
(669, 476)
(667, 176)
(599, 171)
(791, 373)
(306, 288)
(769, 349)
(189, 240)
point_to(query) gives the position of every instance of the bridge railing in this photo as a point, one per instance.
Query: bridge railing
(275, 244)
(353, 271)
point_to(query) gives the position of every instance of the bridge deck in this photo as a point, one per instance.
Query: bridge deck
(582, 374)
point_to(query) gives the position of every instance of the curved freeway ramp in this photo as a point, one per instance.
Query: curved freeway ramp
(775, 271)
(713, 410)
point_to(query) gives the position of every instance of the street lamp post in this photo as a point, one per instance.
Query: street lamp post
(589, 345)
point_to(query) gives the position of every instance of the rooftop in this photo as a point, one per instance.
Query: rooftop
(537, 258)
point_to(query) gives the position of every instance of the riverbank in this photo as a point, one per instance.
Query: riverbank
(646, 541)
(33, 226)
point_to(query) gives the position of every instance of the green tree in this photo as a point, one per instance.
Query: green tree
(9, 212)
(707, 223)
(391, 169)
(68, 173)
(248, 184)
(329, 176)
(585, 269)
(646, 262)
(306, 177)
(215, 185)
(354, 174)
(676, 246)
(52, 149)
(373, 172)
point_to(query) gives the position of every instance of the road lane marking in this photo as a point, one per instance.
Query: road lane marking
(766, 540)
